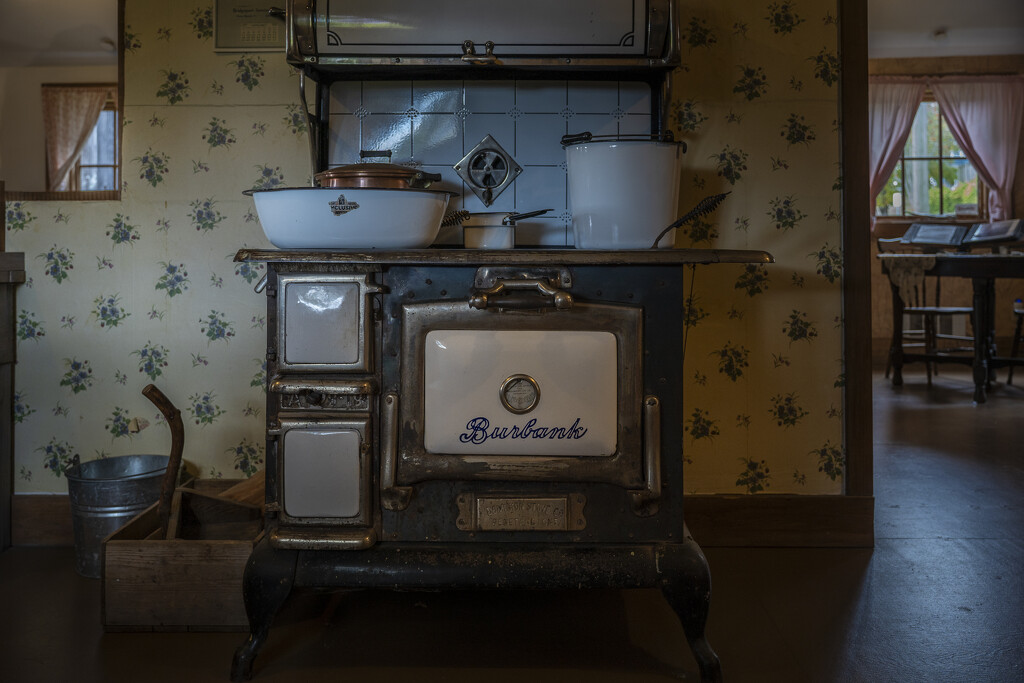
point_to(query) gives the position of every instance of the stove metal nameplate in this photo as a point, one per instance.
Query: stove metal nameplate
(513, 513)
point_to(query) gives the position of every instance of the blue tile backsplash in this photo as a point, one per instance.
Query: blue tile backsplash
(433, 124)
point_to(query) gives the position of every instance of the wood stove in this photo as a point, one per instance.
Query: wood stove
(477, 419)
(456, 419)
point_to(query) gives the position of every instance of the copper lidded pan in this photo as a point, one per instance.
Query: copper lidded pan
(376, 175)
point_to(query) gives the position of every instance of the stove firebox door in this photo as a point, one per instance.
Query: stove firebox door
(325, 471)
(323, 322)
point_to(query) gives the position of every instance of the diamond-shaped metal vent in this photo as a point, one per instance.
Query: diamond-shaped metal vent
(488, 170)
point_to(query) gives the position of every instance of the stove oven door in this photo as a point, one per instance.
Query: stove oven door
(531, 396)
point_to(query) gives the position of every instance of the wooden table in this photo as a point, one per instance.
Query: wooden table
(982, 270)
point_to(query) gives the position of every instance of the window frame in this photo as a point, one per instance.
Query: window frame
(76, 173)
(88, 195)
(982, 213)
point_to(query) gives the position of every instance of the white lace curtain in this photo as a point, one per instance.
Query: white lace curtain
(985, 116)
(892, 105)
(69, 115)
(984, 113)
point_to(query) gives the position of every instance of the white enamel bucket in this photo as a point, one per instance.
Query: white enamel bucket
(623, 192)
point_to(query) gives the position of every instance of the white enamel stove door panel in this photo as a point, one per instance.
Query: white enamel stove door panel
(322, 322)
(575, 411)
(322, 473)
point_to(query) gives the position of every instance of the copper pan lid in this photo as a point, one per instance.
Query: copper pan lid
(376, 175)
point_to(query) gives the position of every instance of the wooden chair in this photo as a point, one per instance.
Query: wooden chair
(931, 331)
(1018, 333)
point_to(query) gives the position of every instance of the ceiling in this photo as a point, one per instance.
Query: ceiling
(940, 28)
(58, 32)
(82, 32)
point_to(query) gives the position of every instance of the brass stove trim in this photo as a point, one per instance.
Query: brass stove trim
(509, 396)
(392, 497)
(324, 394)
(645, 501)
(413, 464)
(497, 512)
(322, 538)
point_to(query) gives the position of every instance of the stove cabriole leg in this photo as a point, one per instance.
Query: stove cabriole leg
(269, 576)
(687, 588)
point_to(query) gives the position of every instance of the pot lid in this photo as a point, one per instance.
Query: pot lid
(371, 170)
(376, 174)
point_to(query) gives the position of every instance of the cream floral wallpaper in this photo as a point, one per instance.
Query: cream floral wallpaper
(121, 294)
(757, 101)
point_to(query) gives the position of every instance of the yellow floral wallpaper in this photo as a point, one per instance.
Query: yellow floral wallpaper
(757, 102)
(121, 294)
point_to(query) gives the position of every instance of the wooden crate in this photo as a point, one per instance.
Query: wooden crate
(192, 582)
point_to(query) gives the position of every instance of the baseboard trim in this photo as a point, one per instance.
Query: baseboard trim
(41, 519)
(714, 520)
(781, 520)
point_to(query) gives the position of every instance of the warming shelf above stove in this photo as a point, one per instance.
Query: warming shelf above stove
(449, 33)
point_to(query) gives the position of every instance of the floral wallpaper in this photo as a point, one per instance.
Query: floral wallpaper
(121, 294)
(756, 99)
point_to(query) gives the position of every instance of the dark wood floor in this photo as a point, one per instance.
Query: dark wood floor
(940, 598)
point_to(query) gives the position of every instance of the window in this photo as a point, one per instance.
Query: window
(933, 176)
(98, 167)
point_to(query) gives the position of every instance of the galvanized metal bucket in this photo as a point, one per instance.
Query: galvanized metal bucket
(105, 494)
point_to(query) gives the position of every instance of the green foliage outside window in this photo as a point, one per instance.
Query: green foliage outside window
(933, 176)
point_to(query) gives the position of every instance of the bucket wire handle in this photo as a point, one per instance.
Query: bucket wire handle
(704, 207)
(170, 480)
(576, 138)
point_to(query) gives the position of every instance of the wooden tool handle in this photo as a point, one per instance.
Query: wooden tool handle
(168, 483)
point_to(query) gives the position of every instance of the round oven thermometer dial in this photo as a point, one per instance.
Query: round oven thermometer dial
(519, 394)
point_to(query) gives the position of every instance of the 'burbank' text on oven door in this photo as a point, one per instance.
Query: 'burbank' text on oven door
(478, 430)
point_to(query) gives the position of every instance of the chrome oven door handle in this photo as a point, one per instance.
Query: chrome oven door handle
(484, 298)
(645, 500)
(392, 497)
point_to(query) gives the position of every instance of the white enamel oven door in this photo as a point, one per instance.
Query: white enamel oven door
(520, 396)
(324, 322)
(325, 471)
